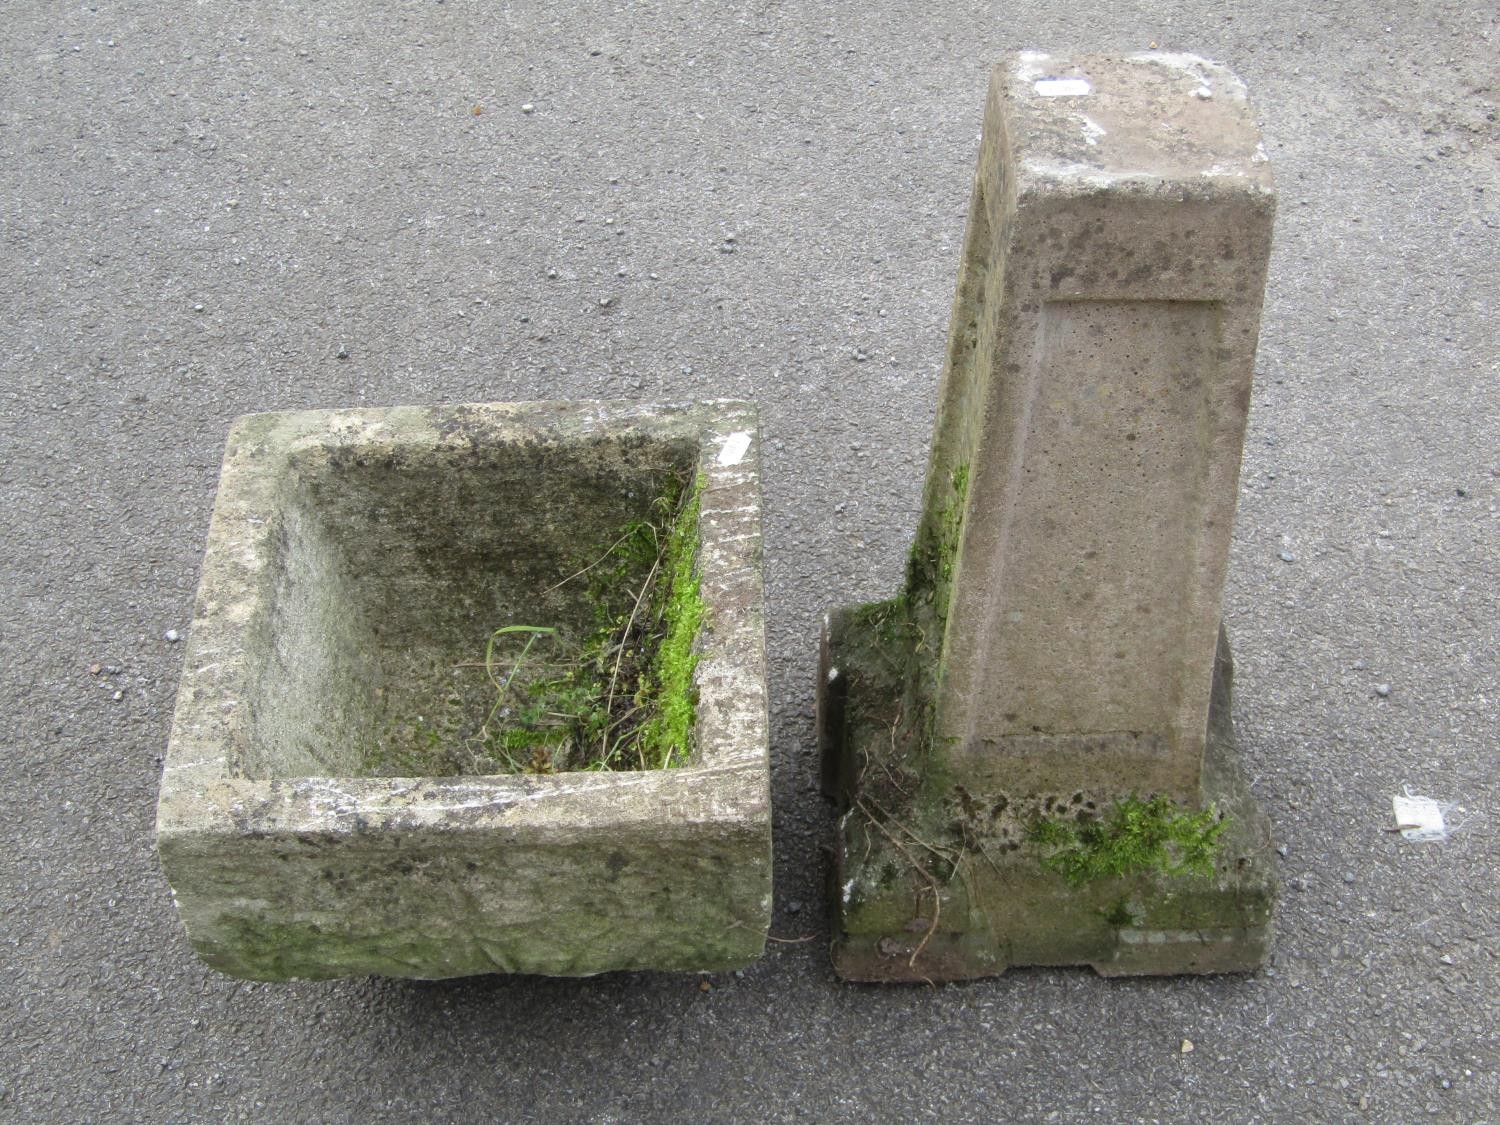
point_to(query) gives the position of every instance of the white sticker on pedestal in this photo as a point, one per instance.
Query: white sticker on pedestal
(1062, 87)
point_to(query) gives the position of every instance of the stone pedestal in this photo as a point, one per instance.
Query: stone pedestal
(1044, 701)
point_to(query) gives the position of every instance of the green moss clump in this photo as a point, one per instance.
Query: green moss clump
(1137, 837)
(667, 688)
(934, 552)
(923, 604)
(952, 521)
(623, 698)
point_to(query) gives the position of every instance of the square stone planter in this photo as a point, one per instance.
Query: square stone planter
(317, 815)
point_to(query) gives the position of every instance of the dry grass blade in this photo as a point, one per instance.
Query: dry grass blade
(932, 883)
(614, 676)
(580, 573)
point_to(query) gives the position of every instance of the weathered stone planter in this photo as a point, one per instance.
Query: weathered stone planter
(357, 560)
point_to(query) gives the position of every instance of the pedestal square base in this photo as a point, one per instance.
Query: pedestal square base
(934, 882)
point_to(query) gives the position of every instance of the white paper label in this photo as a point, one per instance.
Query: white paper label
(735, 447)
(1062, 87)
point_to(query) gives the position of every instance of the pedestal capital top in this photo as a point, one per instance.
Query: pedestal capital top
(1123, 120)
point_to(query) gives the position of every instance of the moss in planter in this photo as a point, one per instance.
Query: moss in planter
(622, 698)
(667, 690)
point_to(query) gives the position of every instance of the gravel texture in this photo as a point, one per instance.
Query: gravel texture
(213, 208)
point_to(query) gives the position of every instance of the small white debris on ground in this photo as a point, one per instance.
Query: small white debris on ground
(1419, 818)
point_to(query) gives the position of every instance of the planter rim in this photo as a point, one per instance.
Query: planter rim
(202, 790)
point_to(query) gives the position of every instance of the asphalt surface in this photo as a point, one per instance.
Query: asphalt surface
(203, 205)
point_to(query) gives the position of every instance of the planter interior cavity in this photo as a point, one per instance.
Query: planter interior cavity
(429, 681)
(410, 584)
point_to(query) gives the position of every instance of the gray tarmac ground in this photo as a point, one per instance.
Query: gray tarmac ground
(211, 208)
